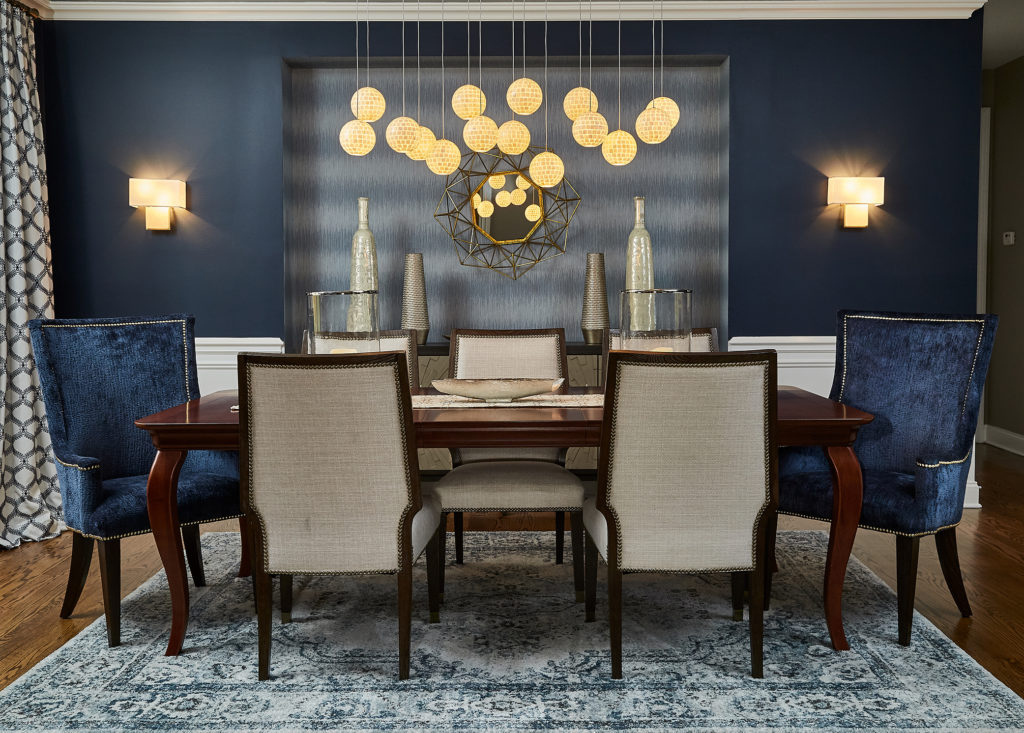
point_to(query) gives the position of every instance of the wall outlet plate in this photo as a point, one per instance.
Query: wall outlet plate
(1009, 238)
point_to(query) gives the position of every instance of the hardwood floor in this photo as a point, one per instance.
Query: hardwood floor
(32, 578)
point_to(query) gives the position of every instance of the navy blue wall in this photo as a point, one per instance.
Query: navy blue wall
(808, 99)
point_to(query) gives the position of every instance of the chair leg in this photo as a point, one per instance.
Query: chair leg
(757, 619)
(264, 602)
(244, 564)
(739, 587)
(615, 619)
(945, 543)
(576, 535)
(906, 582)
(110, 577)
(591, 578)
(441, 559)
(433, 579)
(286, 598)
(81, 559)
(404, 621)
(771, 564)
(459, 527)
(194, 554)
(559, 538)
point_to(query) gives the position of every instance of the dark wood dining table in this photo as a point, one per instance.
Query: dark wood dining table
(208, 423)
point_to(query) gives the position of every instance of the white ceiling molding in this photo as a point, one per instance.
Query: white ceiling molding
(501, 10)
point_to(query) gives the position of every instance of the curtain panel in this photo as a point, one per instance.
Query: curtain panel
(31, 508)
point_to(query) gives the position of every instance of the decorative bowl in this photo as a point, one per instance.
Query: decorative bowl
(497, 390)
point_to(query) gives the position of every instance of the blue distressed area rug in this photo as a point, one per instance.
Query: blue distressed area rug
(512, 652)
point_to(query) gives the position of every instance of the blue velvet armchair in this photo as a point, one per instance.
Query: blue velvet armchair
(97, 377)
(921, 376)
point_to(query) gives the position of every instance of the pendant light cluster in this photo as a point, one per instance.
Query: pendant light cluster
(481, 133)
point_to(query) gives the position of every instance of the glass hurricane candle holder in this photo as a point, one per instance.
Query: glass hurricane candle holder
(655, 320)
(343, 322)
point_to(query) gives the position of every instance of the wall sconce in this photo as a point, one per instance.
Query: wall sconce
(158, 197)
(855, 195)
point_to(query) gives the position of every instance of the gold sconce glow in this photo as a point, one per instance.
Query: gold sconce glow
(668, 105)
(524, 96)
(421, 149)
(480, 133)
(503, 198)
(496, 182)
(653, 125)
(513, 137)
(444, 158)
(856, 195)
(547, 169)
(469, 101)
(519, 197)
(485, 209)
(577, 101)
(367, 104)
(590, 129)
(158, 197)
(357, 137)
(619, 148)
(532, 212)
(402, 134)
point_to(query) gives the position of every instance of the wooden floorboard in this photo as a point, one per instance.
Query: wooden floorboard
(32, 578)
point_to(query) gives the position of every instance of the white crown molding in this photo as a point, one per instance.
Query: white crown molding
(501, 10)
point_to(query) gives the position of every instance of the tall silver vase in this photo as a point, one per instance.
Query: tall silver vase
(414, 298)
(363, 270)
(639, 272)
(595, 300)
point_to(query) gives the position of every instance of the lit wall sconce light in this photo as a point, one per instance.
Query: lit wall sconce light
(855, 195)
(158, 198)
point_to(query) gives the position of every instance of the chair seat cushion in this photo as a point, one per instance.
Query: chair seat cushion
(596, 525)
(202, 497)
(509, 486)
(889, 502)
(425, 524)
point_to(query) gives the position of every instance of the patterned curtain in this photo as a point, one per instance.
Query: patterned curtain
(31, 508)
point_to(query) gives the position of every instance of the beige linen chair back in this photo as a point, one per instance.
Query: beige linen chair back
(688, 459)
(328, 463)
(527, 354)
(396, 340)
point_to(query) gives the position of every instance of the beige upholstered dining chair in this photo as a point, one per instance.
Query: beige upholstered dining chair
(330, 479)
(396, 340)
(512, 479)
(688, 476)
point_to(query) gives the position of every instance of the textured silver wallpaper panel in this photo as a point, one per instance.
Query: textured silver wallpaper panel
(682, 179)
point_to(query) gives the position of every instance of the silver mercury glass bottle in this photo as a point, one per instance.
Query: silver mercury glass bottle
(363, 272)
(640, 272)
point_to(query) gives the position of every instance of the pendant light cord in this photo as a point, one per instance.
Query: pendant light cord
(524, 38)
(442, 70)
(358, 95)
(662, 48)
(469, 56)
(546, 75)
(403, 58)
(590, 54)
(513, 51)
(654, 58)
(418, 118)
(581, 44)
(480, 53)
(367, 42)
(620, 66)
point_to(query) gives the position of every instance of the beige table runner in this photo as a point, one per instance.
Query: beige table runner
(420, 402)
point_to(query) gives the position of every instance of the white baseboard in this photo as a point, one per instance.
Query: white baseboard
(217, 359)
(808, 362)
(1000, 438)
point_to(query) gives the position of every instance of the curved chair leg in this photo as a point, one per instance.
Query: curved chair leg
(739, 588)
(771, 565)
(459, 527)
(615, 619)
(945, 543)
(244, 565)
(81, 559)
(559, 537)
(404, 620)
(286, 598)
(194, 554)
(110, 577)
(906, 583)
(591, 578)
(433, 576)
(576, 535)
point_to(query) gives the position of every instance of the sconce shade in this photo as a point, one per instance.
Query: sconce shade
(856, 195)
(590, 129)
(480, 133)
(367, 104)
(469, 101)
(547, 169)
(524, 96)
(444, 158)
(153, 192)
(357, 137)
(513, 137)
(577, 101)
(421, 149)
(402, 134)
(619, 148)
(668, 105)
(653, 125)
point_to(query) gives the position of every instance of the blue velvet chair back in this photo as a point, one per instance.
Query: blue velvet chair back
(99, 375)
(920, 375)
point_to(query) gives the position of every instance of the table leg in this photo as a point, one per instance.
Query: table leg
(162, 504)
(847, 497)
